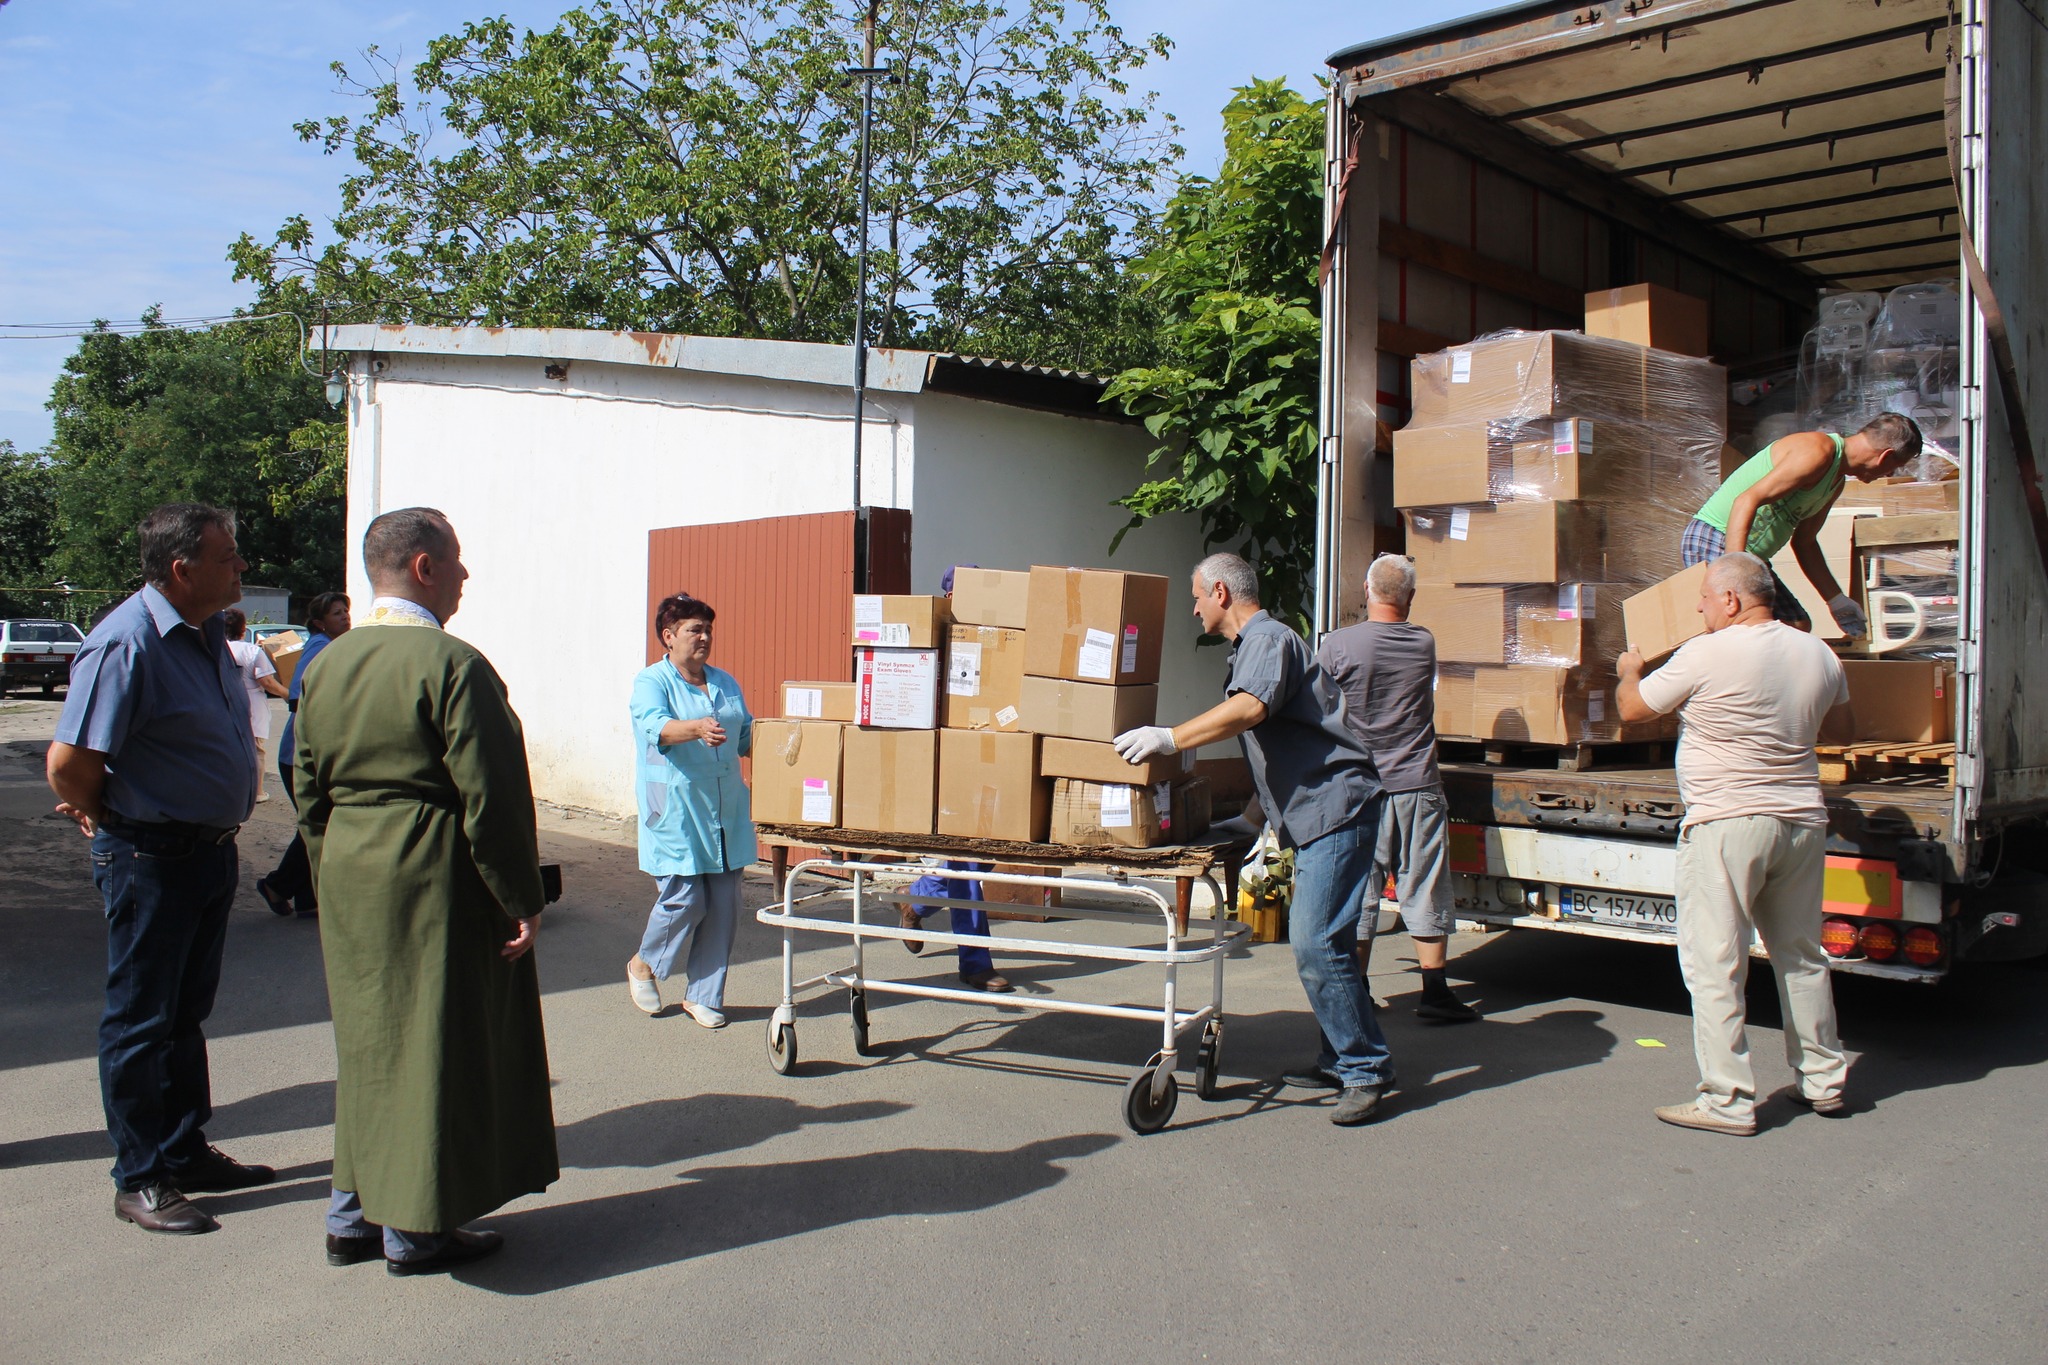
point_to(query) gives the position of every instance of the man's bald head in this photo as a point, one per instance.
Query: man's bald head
(1745, 575)
(396, 538)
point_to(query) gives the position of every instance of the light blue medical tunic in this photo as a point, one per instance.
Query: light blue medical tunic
(696, 815)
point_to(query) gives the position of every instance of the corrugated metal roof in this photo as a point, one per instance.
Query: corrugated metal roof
(890, 370)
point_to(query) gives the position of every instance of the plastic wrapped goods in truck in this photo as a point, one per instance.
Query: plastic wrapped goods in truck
(1545, 473)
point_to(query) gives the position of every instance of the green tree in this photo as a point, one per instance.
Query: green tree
(28, 528)
(690, 166)
(227, 417)
(1233, 400)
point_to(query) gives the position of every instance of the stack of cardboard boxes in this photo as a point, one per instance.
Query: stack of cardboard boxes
(1545, 476)
(988, 716)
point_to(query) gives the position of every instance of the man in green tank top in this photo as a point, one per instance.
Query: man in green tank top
(1781, 497)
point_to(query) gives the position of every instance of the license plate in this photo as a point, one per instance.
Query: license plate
(1622, 909)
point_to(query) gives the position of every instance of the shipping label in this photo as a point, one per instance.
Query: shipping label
(1130, 659)
(1006, 717)
(805, 702)
(1116, 806)
(1461, 367)
(1461, 523)
(817, 801)
(963, 670)
(1097, 655)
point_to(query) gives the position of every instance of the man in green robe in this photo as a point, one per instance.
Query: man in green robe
(417, 811)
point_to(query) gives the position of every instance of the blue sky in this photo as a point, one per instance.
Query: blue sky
(142, 136)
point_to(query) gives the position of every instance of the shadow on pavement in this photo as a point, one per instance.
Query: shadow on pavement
(309, 1104)
(664, 1132)
(720, 1208)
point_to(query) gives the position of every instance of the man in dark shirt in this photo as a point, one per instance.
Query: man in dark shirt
(1321, 796)
(1386, 667)
(155, 760)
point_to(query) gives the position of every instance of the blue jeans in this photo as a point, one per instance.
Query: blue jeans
(345, 1219)
(974, 961)
(1333, 879)
(697, 913)
(167, 900)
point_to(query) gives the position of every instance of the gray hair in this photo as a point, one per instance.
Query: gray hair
(175, 531)
(1893, 431)
(1233, 573)
(1745, 575)
(396, 537)
(1391, 580)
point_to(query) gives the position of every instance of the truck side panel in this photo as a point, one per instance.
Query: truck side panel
(2011, 222)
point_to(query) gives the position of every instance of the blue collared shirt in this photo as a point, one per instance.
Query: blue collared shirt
(164, 702)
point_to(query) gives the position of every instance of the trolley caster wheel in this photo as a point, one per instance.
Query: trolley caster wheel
(1143, 1113)
(858, 1008)
(781, 1047)
(1208, 1059)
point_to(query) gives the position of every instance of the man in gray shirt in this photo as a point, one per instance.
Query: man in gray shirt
(1386, 667)
(1322, 797)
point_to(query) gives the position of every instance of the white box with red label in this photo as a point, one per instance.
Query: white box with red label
(898, 689)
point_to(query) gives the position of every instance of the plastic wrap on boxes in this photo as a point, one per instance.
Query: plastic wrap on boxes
(1896, 352)
(1911, 598)
(1532, 704)
(1560, 625)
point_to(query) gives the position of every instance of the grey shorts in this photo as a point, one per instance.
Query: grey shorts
(1415, 845)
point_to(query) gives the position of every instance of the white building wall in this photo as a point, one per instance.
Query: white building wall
(553, 486)
(1006, 487)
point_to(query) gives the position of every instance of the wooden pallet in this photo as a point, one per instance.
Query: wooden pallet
(1880, 761)
(1508, 753)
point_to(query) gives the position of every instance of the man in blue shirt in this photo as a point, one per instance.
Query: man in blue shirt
(1321, 795)
(155, 761)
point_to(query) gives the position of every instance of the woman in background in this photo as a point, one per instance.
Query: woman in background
(291, 886)
(696, 815)
(259, 680)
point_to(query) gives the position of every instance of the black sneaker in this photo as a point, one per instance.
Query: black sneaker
(279, 905)
(1445, 1009)
(355, 1250)
(1356, 1104)
(1311, 1078)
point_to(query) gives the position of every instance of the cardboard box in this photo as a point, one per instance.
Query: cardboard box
(1470, 624)
(820, 701)
(991, 597)
(1510, 542)
(984, 678)
(890, 780)
(1095, 625)
(1909, 701)
(1491, 462)
(1524, 375)
(1054, 706)
(989, 787)
(1230, 783)
(1651, 315)
(1568, 623)
(1661, 618)
(897, 689)
(900, 622)
(1115, 814)
(1534, 704)
(796, 771)
(1099, 762)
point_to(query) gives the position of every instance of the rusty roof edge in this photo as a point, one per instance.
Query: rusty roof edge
(801, 362)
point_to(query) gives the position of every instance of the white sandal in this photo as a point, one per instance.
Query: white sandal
(646, 995)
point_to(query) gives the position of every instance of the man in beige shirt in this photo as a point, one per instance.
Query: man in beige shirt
(1752, 695)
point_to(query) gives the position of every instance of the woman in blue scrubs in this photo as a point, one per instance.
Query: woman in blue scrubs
(696, 816)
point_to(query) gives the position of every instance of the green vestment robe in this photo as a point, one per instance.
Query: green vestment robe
(417, 810)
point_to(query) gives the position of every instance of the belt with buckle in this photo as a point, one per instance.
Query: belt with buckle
(173, 829)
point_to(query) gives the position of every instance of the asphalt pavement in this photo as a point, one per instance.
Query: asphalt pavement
(972, 1193)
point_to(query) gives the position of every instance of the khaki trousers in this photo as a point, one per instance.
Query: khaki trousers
(262, 746)
(1762, 872)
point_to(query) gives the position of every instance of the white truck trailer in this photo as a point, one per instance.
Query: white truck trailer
(1486, 173)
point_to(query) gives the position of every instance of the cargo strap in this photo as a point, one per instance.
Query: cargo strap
(2011, 401)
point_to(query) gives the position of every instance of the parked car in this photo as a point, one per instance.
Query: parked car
(37, 654)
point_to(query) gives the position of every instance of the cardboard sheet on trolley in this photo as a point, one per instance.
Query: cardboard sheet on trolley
(1164, 860)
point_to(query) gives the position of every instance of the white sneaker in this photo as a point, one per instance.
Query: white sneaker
(646, 995)
(704, 1014)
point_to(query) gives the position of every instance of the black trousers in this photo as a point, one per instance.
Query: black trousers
(294, 876)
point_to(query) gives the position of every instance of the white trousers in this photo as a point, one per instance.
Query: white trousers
(1762, 872)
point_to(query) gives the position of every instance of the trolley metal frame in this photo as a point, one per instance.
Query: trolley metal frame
(862, 879)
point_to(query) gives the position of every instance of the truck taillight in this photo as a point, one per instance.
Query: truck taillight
(1880, 942)
(1838, 937)
(1922, 945)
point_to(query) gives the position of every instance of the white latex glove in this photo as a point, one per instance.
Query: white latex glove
(1848, 616)
(1145, 742)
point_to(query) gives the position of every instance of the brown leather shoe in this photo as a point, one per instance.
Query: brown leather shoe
(355, 1250)
(993, 982)
(215, 1172)
(460, 1249)
(911, 920)
(160, 1208)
